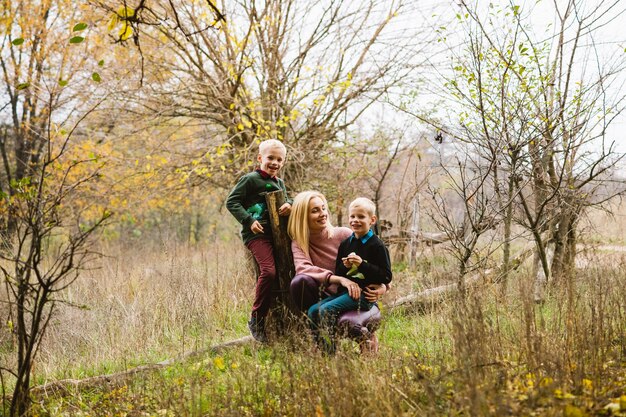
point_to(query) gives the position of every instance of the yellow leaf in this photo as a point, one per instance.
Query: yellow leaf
(126, 32)
(219, 363)
(240, 126)
(112, 22)
(124, 11)
(572, 411)
(546, 382)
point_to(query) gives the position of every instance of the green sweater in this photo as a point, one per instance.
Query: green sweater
(247, 202)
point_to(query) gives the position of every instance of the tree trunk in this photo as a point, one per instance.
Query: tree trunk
(20, 400)
(340, 211)
(508, 221)
(565, 249)
(285, 269)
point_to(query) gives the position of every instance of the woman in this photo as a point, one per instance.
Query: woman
(315, 243)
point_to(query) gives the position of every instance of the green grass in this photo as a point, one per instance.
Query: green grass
(417, 372)
(494, 354)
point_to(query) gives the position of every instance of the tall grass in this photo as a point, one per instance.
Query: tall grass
(144, 305)
(489, 354)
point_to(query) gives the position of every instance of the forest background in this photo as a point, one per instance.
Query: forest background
(488, 134)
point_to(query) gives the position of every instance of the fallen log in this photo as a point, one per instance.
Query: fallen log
(435, 295)
(64, 386)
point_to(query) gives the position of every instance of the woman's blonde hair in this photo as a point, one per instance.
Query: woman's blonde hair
(298, 225)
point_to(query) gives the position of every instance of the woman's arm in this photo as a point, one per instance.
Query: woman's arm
(353, 288)
(304, 265)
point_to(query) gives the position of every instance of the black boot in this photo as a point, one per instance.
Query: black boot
(257, 329)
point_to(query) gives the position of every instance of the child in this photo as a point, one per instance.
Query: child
(362, 260)
(247, 203)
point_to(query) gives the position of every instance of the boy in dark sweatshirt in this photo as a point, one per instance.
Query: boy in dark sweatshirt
(362, 260)
(246, 202)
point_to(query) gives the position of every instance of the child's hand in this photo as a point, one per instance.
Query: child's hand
(256, 227)
(284, 210)
(346, 262)
(354, 259)
(374, 292)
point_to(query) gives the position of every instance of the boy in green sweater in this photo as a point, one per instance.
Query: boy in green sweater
(247, 203)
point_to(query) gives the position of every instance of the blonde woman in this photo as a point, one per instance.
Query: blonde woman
(315, 244)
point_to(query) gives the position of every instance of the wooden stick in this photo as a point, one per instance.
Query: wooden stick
(63, 386)
(285, 269)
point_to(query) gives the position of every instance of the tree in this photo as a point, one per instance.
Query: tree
(263, 73)
(463, 208)
(45, 63)
(536, 110)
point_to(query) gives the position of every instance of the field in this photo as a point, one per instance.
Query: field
(496, 353)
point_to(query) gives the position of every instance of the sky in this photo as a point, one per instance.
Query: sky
(606, 45)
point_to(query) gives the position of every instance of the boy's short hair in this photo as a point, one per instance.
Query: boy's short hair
(366, 203)
(271, 143)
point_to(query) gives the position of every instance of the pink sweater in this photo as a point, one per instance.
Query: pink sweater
(323, 253)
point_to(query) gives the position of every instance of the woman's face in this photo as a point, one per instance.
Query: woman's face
(318, 215)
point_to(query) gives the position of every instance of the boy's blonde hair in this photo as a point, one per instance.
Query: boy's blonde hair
(365, 203)
(298, 225)
(271, 143)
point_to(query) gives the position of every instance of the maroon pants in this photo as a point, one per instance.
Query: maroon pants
(263, 253)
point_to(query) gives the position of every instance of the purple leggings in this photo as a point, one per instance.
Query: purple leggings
(305, 291)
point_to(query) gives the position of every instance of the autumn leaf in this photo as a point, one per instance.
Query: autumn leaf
(219, 363)
(126, 32)
(112, 22)
(125, 12)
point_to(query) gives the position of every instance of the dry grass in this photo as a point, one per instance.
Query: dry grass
(491, 354)
(144, 305)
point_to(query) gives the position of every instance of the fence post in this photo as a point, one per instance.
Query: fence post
(282, 248)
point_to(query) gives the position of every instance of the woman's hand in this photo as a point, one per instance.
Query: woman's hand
(353, 289)
(374, 292)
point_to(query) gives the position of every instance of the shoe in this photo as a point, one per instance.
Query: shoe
(369, 346)
(257, 329)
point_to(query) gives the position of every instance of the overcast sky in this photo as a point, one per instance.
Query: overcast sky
(608, 39)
